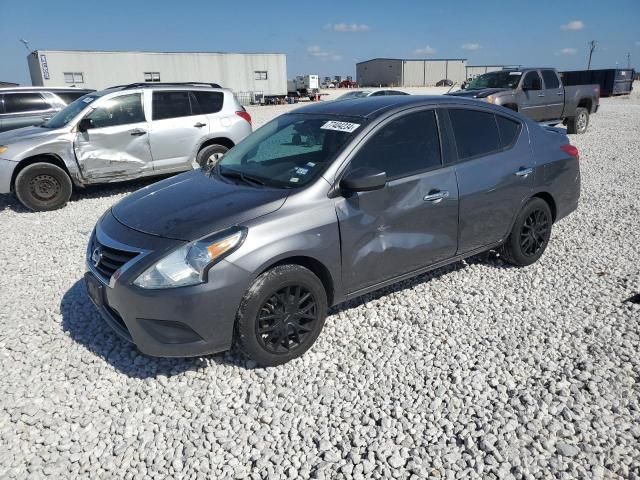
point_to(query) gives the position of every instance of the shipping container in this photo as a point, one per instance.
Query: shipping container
(612, 81)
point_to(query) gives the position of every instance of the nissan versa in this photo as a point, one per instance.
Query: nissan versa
(318, 206)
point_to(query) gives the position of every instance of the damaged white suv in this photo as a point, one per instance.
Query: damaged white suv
(117, 134)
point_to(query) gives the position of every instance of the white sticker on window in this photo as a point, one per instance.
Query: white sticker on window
(301, 171)
(515, 73)
(340, 126)
(311, 164)
(294, 179)
(87, 100)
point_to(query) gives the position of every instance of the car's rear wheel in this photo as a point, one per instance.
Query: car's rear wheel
(43, 186)
(210, 155)
(530, 234)
(281, 315)
(580, 122)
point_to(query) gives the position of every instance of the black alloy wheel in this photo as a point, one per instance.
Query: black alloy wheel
(534, 233)
(287, 319)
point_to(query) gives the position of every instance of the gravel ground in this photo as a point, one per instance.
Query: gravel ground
(476, 370)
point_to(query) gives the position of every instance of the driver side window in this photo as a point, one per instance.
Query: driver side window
(121, 110)
(403, 147)
(532, 81)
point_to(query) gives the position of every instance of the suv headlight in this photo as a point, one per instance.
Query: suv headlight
(189, 264)
(3, 148)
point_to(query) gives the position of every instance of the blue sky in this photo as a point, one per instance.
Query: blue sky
(328, 38)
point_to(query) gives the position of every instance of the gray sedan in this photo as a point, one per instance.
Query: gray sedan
(319, 206)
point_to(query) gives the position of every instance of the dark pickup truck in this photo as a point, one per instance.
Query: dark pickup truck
(537, 93)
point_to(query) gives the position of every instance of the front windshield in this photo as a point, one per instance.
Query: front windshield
(356, 94)
(501, 79)
(64, 116)
(290, 151)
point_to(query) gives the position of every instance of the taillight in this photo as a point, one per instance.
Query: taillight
(244, 114)
(571, 150)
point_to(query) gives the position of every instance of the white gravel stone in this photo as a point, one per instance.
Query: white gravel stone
(476, 370)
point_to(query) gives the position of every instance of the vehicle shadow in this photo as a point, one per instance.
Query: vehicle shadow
(105, 190)
(490, 258)
(82, 321)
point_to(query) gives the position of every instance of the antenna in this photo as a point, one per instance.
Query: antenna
(628, 59)
(26, 44)
(592, 47)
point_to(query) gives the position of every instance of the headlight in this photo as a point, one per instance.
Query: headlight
(189, 264)
(3, 148)
(490, 99)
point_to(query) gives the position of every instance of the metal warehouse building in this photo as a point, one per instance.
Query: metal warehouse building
(241, 72)
(409, 72)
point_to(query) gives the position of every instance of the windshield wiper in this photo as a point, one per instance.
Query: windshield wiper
(248, 179)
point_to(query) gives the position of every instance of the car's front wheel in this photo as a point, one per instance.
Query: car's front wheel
(281, 315)
(529, 235)
(43, 186)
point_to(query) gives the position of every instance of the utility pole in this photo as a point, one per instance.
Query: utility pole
(592, 47)
(628, 59)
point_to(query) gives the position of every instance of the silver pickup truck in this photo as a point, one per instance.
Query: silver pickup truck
(537, 93)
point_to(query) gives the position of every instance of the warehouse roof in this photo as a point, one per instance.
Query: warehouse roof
(416, 59)
(35, 52)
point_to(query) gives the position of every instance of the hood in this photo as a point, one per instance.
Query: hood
(26, 133)
(194, 204)
(480, 93)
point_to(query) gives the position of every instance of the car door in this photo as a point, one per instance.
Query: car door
(494, 171)
(410, 223)
(554, 95)
(177, 128)
(115, 144)
(24, 109)
(534, 104)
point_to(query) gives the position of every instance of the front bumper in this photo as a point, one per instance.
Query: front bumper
(6, 172)
(177, 322)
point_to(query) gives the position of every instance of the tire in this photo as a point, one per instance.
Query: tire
(529, 235)
(43, 186)
(289, 305)
(580, 122)
(210, 155)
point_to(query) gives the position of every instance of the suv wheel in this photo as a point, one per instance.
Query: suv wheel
(210, 155)
(530, 234)
(281, 315)
(43, 186)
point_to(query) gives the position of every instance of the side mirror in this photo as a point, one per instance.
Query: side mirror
(363, 179)
(84, 124)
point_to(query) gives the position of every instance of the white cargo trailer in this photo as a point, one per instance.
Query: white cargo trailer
(304, 86)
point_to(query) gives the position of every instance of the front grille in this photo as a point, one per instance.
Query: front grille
(109, 259)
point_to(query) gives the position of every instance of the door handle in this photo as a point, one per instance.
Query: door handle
(436, 196)
(137, 133)
(541, 94)
(200, 125)
(560, 93)
(524, 172)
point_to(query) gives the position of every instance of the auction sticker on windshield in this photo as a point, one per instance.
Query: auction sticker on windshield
(340, 126)
(515, 73)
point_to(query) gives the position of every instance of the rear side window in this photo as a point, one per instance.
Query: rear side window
(550, 79)
(68, 97)
(403, 147)
(209, 102)
(171, 105)
(509, 131)
(24, 102)
(476, 133)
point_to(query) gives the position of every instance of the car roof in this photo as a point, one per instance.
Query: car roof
(372, 107)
